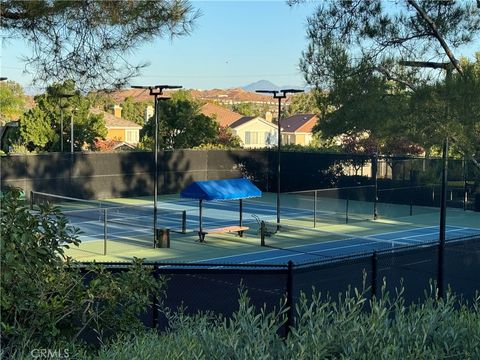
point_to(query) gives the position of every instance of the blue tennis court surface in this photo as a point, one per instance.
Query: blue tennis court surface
(347, 246)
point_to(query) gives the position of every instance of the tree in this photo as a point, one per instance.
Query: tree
(455, 100)
(226, 139)
(88, 40)
(40, 126)
(304, 103)
(181, 125)
(134, 110)
(358, 51)
(250, 109)
(12, 101)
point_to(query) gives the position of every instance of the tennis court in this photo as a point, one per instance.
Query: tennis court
(347, 246)
(118, 229)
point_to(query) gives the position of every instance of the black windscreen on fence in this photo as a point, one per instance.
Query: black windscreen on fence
(462, 266)
(333, 278)
(217, 289)
(410, 270)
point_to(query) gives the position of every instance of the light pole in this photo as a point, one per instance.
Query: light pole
(71, 131)
(280, 94)
(155, 91)
(62, 96)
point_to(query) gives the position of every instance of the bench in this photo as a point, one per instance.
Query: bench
(227, 229)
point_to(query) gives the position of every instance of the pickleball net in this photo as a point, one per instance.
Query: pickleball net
(314, 244)
(86, 214)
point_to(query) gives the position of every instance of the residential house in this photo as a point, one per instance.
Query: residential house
(297, 129)
(255, 132)
(120, 129)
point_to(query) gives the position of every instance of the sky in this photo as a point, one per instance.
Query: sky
(234, 43)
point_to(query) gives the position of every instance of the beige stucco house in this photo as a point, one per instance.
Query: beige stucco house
(120, 129)
(297, 129)
(255, 132)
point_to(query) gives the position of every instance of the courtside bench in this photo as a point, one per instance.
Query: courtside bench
(227, 229)
(221, 190)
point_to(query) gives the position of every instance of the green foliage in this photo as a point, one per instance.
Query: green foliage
(20, 149)
(304, 103)
(181, 125)
(88, 40)
(46, 300)
(250, 109)
(373, 37)
(225, 140)
(326, 328)
(356, 54)
(12, 101)
(450, 108)
(134, 110)
(40, 127)
(36, 129)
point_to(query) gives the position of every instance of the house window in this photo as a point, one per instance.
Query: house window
(251, 137)
(131, 136)
(269, 138)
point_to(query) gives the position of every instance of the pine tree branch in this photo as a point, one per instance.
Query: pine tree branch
(437, 34)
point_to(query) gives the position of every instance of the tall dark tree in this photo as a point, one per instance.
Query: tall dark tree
(88, 40)
(181, 125)
(359, 50)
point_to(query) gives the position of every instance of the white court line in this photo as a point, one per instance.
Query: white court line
(310, 252)
(328, 249)
(298, 246)
(434, 233)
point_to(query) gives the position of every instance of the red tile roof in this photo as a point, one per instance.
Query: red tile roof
(234, 95)
(303, 123)
(222, 115)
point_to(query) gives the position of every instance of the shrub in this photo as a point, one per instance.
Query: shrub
(349, 327)
(46, 300)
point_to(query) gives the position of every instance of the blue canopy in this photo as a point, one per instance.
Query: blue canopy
(230, 189)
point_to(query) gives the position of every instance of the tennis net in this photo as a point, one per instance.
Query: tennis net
(64, 202)
(86, 213)
(313, 244)
(331, 206)
(130, 216)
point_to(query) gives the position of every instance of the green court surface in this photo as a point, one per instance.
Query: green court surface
(297, 216)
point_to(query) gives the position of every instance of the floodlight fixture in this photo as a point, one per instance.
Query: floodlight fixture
(155, 91)
(279, 94)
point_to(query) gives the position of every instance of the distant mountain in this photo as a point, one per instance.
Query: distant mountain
(267, 85)
(261, 85)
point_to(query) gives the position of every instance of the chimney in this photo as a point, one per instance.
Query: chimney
(148, 112)
(117, 111)
(269, 116)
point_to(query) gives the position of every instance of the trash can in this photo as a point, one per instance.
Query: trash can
(163, 238)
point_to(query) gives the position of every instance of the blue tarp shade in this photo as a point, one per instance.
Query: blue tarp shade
(230, 189)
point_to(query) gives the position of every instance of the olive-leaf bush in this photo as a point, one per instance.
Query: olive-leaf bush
(348, 327)
(47, 299)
